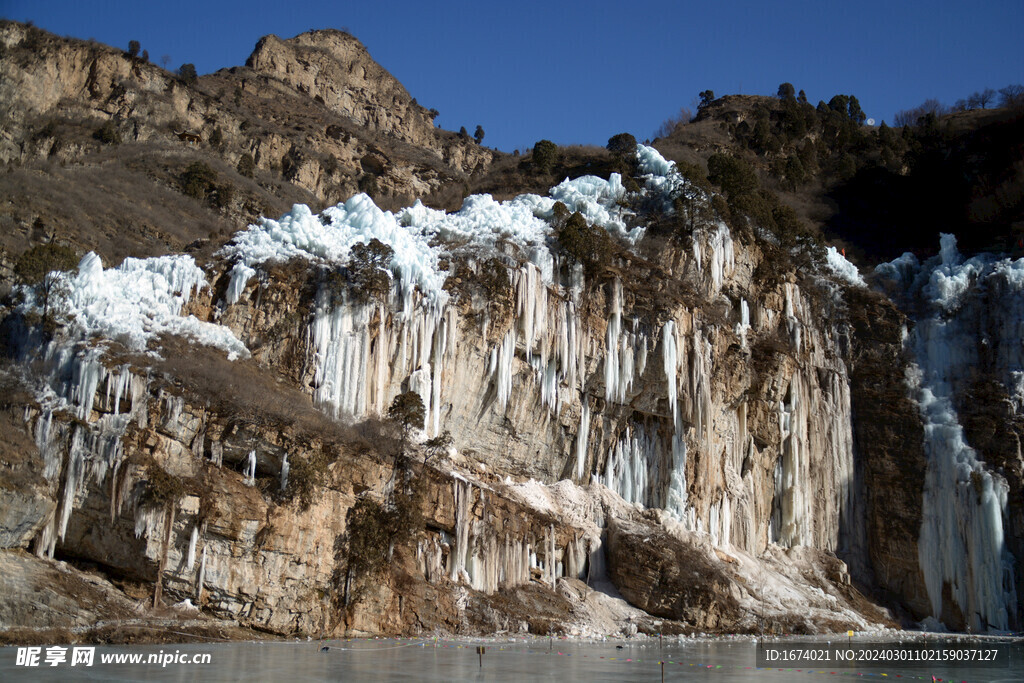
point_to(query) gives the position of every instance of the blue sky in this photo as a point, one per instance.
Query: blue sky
(579, 72)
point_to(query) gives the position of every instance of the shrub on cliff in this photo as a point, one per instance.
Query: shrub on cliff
(545, 153)
(108, 133)
(306, 475)
(161, 488)
(198, 180)
(246, 165)
(368, 271)
(37, 268)
(587, 244)
(622, 144)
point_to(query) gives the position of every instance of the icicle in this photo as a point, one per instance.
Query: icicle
(743, 326)
(506, 354)
(794, 496)
(581, 440)
(463, 492)
(671, 361)
(341, 342)
(250, 469)
(284, 472)
(612, 390)
(193, 539)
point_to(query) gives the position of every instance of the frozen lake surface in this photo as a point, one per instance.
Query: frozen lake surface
(533, 659)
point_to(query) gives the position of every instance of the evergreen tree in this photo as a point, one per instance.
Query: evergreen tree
(787, 91)
(133, 48)
(408, 412)
(187, 73)
(544, 154)
(478, 134)
(840, 103)
(733, 175)
(856, 113)
(623, 144)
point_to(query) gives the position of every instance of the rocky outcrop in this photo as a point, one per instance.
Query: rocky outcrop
(335, 69)
(890, 438)
(667, 577)
(318, 118)
(736, 459)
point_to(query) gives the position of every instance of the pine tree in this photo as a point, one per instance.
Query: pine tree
(187, 73)
(478, 134)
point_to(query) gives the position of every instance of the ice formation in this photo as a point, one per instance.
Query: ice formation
(968, 304)
(136, 302)
(842, 268)
(77, 379)
(363, 352)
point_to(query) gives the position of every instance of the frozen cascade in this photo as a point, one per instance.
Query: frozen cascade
(962, 546)
(93, 448)
(358, 365)
(250, 469)
(361, 354)
(136, 302)
(700, 386)
(478, 557)
(794, 477)
(550, 332)
(671, 361)
(240, 275)
(723, 258)
(633, 468)
(505, 354)
(457, 559)
(612, 391)
(625, 352)
(677, 498)
(341, 341)
(792, 322)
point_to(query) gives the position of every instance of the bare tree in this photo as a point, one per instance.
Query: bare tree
(909, 117)
(1011, 96)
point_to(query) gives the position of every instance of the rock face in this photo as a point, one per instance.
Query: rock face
(318, 119)
(667, 577)
(889, 436)
(724, 403)
(700, 405)
(334, 68)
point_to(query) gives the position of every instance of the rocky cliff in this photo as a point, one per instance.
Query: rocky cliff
(603, 409)
(312, 119)
(689, 393)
